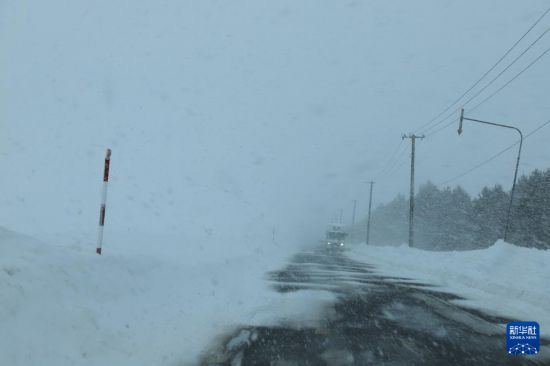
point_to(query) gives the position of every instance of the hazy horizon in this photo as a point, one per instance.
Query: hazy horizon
(234, 118)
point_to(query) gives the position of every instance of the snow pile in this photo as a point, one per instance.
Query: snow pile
(65, 305)
(504, 279)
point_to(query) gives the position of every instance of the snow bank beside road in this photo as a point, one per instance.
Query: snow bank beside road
(504, 279)
(66, 305)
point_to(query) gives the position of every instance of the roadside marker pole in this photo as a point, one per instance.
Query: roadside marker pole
(103, 201)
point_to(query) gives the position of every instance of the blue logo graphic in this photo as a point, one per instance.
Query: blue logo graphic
(523, 338)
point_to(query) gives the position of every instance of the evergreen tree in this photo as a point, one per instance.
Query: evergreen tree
(531, 211)
(389, 223)
(490, 210)
(461, 228)
(428, 219)
(448, 219)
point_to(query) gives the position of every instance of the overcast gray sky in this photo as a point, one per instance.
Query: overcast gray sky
(232, 115)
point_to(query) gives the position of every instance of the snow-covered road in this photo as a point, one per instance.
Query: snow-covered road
(375, 320)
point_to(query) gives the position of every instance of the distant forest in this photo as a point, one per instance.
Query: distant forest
(450, 219)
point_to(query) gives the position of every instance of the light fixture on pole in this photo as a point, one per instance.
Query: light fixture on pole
(462, 118)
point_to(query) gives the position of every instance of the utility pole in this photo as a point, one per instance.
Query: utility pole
(341, 215)
(352, 228)
(353, 213)
(413, 138)
(368, 218)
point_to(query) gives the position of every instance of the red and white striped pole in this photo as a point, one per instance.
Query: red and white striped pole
(103, 201)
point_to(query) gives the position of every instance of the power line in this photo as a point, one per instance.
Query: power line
(429, 132)
(493, 156)
(493, 80)
(442, 128)
(488, 71)
(479, 165)
(490, 96)
(507, 67)
(397, 164)
(392, 155)
(514, 78)
(392, 162)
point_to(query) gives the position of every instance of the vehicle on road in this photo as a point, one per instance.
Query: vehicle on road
(335, 236)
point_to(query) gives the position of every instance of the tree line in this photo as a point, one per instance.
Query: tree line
(450, 219)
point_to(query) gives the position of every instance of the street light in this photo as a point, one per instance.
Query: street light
(462, 118)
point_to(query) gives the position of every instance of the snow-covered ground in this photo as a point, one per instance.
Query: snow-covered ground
(504, 279)
(64, 305)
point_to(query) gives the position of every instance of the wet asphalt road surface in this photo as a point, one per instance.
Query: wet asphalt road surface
(376, 320)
